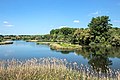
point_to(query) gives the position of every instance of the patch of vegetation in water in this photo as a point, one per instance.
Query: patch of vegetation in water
(65, 46)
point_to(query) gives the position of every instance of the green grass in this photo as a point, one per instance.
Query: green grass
(45, 69)
(65, 46)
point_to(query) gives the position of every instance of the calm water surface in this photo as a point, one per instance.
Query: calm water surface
(26, 50)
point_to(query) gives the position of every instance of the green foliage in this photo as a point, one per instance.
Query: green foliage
(82, 36)
(99, 29)
(1, 38)
(99, 25)
(97, 33)
(63, 34)
(114, 39)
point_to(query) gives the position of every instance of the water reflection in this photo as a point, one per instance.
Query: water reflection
(100, 62)
(63, 52)
(99, 58)
(96, 57)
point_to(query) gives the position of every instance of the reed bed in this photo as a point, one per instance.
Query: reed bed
(50, 69)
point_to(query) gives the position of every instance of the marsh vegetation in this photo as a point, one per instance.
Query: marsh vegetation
(51, 69)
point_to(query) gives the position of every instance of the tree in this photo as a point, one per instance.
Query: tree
(114, 39)
(1, 38)
(99, 26)
(63, 34)
(82, 36)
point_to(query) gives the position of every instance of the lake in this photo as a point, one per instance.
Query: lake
(26, 50)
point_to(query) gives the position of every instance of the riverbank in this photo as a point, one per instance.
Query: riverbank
(31, 40)
(5, 43)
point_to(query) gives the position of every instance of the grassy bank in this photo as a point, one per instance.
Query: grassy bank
(65, 46)
(31, 40)
(60, 46)
(44, 43)
(47, 69)
(5, 42)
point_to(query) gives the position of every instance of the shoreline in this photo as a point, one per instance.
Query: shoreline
(31, 40)
(5, 43)
(44, 43)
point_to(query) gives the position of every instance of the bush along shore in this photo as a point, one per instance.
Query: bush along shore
(51, 69)
(5, 42)
(60, 46)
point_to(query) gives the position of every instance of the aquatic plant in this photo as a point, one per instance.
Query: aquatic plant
(51, 69)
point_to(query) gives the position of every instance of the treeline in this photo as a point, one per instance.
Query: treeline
(99, 32)
(85, 37)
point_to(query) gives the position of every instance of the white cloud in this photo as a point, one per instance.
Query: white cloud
(63, 26)
(117, 21)
(8, 25)
(95, 13)
(5, 22)
(76, 21)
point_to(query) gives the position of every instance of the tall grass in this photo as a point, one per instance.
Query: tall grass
(50, 69)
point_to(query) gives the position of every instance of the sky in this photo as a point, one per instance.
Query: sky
(34, 17)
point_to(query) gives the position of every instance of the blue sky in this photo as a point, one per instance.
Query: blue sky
(40, 16)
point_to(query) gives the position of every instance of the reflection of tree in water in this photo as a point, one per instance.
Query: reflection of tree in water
(100, 62)
(65, 52)
(84, 52)
(52, 49)
(98, 58)
(111, 52)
